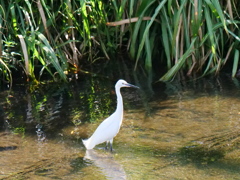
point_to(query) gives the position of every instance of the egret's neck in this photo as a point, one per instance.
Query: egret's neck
(119, 102)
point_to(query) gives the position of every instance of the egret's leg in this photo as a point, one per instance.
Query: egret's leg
(111, 142)
(106, 145)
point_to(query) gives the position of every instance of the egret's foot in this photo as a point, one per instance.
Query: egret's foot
(112, 151)
(108, 149)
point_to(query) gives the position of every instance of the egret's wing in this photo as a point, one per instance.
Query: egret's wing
(106, 130)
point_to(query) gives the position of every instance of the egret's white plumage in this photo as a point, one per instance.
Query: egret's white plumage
(109, 128)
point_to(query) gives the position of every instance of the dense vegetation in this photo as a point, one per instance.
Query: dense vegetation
(171, 37)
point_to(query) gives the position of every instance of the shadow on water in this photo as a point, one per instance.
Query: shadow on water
(217, 151)
(7, 148)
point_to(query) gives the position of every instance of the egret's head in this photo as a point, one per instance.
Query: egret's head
(123, 83)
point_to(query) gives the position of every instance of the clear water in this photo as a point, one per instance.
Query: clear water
(175, 131)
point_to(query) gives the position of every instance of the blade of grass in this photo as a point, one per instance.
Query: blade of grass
(51, 55)
(86, 26)
(177, 23)
(171, 73)
(166, 36)
(210, 30)
(235, 63)
(8, 70)
(206, 71)
(136, 30)
(148, 60)
(147, 30)
(25, 55)
(43, 17)
(217, 10)
(166, 45)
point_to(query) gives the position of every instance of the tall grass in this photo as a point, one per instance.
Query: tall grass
(190, 38)
(50, 38)
(194, 37)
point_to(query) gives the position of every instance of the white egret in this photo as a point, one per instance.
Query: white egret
(109, 128)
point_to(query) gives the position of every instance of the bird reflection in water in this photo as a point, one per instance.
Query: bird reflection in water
(40, 134)
(107, 164)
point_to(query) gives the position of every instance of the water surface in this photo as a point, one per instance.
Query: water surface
(173, 131)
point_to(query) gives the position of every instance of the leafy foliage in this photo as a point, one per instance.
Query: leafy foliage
(192, 37)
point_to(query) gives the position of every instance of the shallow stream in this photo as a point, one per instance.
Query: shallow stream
(171, 131)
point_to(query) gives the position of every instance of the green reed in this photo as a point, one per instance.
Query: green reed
(195, 37)
(50, 38)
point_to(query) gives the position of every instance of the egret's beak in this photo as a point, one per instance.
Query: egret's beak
(130, 85)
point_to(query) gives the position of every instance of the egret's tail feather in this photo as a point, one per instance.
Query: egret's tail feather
(87, 143)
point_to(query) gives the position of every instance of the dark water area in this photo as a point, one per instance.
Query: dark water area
(175, 130)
